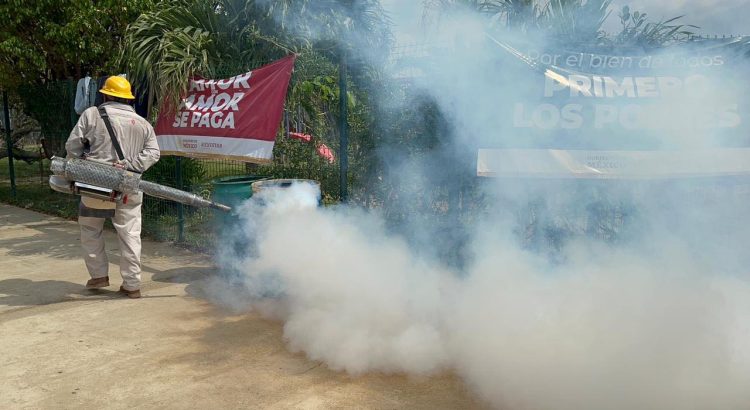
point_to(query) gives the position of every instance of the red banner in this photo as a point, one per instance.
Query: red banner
(235, 118)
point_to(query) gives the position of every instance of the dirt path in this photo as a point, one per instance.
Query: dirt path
(64, 347)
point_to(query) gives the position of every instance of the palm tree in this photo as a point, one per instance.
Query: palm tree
(567, 21)
(166, 47)
(200, 37)
(638, 31)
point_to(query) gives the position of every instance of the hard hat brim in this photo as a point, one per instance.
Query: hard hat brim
(127, 96)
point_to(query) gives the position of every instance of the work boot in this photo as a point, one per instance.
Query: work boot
(97, 283)
(132, 294)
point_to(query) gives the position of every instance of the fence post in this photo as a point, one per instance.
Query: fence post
(73, 113)
(344, 131)
(9, 144)
(180, 207)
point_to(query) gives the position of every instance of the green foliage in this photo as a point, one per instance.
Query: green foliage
(43, 40)
(557, 20)
(572, 20)
(298, 159)
(165, 172)
(50, 105)
(638, 31)
(180, 39)
(567, 21)
(226, 37)
(333, 25)
(314, 102)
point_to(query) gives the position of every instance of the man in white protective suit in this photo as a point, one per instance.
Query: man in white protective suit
(129, 142)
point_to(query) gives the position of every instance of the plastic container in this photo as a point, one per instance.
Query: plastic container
(233, 190)
(238, 241)
(267, 184)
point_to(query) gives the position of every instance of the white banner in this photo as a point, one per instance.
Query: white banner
(198, 146)
(550, 163)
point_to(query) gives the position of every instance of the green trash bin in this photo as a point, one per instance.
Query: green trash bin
(235, 189)
(232, 241)
(231, 191)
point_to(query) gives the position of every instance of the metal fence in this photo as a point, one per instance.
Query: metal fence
(48, 111)
(453, 193)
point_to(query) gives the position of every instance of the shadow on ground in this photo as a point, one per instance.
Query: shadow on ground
(45, 242)
(231, 293)
(24, 292)
(188, 274)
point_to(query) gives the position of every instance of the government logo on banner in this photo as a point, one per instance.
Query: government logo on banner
(234, 118)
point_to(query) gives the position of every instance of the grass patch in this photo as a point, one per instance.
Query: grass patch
(23, 170)
(198, 233)
(32, 191)
(160, 221)
(41, 198)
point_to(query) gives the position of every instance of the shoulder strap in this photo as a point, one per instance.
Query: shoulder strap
(105, 118)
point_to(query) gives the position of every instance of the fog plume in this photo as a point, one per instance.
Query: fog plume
(612, 328)
(551, 308)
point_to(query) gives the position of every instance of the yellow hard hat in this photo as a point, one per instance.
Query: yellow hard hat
(117, 86)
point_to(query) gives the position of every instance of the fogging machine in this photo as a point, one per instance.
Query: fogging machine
(99, 180)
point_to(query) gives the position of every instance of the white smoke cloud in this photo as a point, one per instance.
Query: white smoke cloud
(348, 300)
(660, 321)
(610, 329)
(615, 332)
(406, 18)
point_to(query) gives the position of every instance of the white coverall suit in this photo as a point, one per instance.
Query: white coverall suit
(140, 149)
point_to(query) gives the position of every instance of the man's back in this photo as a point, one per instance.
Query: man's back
(135, 135)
